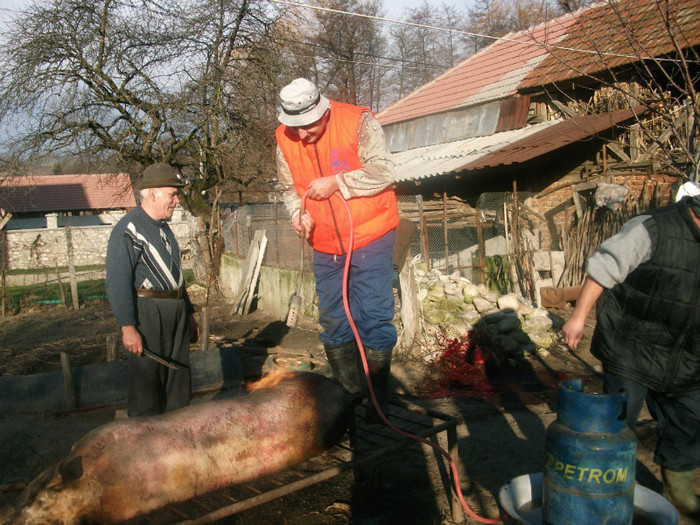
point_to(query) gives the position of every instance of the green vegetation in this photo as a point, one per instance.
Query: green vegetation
(496, 274)
(49, 293)
(35, 271)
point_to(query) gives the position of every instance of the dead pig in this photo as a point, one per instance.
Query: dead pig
(131, 467)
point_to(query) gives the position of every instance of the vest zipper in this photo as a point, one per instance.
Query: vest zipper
(677, 349)
(335, 223)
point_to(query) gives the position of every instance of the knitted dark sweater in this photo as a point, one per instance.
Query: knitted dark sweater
(141, 253)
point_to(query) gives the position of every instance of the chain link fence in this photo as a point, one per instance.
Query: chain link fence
(452, 235)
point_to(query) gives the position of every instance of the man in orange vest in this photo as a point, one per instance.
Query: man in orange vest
(334, 152)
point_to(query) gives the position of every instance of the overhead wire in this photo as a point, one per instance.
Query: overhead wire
(530, 42)
(400, 63)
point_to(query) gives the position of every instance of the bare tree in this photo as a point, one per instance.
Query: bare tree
(569, 6)
(427, 44)
(349, 49)
(141, 82)
(494, 18)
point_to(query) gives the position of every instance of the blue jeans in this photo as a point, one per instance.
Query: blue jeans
(370, 295)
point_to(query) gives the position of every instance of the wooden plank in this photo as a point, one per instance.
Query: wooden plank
(250, 262)
(71, 268)
(410, 314)
(111, 354)
(256, 273)
(618, 151)
(5, 217)
(68, 384)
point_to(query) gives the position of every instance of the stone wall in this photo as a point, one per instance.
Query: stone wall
(47, 248)
(452, 306)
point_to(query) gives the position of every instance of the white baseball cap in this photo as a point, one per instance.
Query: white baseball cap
(690, 189)
(302, 103)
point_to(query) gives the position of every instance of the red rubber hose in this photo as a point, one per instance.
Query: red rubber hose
(363, 357)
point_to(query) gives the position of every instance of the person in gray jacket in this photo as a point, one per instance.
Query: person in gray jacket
(146, 290)
(645, 283)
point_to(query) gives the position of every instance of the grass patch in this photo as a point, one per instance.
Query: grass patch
(51, 271)
(20, 297)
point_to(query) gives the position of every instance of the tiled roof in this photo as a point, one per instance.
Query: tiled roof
(54, 193)
(548, 53)
(491, 74)
(618, 33)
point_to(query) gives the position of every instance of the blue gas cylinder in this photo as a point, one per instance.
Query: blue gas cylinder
(590, 460)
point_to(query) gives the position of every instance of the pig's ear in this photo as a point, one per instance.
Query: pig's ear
(67, 471)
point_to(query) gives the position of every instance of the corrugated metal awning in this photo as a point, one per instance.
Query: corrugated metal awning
(554, 137)
(499, 149)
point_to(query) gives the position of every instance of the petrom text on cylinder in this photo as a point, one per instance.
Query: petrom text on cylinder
(588, 474)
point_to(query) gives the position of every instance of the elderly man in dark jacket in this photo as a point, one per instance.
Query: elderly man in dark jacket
(646, 282)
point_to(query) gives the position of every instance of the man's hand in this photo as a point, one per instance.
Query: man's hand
(573, 328)
(305, 227)
(132, 339)
(573, 332)
(322, 188)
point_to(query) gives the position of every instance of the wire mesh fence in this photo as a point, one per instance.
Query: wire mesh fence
(452, 235)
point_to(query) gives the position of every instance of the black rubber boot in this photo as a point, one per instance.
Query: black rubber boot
(379, 364)
(343, 360)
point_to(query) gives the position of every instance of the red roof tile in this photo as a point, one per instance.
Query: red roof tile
(550, 52)
(54, 193)
(491, 74)
(618, 33)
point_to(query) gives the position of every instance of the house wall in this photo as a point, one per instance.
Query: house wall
(100, 219)
(47, 248)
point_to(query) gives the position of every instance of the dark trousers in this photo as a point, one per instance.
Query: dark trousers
(677, 421)
(155, 388)
(370, 295)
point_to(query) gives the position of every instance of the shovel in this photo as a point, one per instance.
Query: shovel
(295, 303)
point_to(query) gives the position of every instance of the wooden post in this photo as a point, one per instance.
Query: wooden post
(4, 268)
(277, 230)
(204, 329)
(111, 354)
(635, 129)
(424, 232)
(482, 246)
(605, 161)
(68, 384)
(71, 269)
(60, 287)
(444, 229)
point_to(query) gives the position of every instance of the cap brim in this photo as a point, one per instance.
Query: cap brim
(304, 119)
(163, 183)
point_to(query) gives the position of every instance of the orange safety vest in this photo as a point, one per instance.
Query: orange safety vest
(336, 151)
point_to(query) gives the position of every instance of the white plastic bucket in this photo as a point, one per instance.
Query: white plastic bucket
(522, 500)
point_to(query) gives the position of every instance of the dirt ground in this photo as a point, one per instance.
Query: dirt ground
(502, 435)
